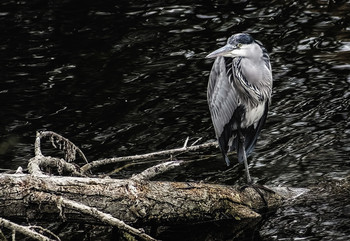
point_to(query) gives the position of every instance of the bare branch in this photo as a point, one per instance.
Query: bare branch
(2, 236)
(196, 141)
(37, 149)
(35, 164)
(128, 165)
(23, 229)
(44, 230)
(19, 170)
(155, 170)
(186, 142)
(148, 156)
(66, 145)
(94, 212)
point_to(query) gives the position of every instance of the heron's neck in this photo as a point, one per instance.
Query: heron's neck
(254, 55)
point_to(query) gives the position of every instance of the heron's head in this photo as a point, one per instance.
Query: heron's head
(238, 45)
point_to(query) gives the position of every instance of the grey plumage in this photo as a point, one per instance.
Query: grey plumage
(239, 93)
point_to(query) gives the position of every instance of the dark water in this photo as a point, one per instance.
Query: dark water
(120, 78)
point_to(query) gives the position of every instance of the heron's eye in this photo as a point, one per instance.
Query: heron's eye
(239, 45)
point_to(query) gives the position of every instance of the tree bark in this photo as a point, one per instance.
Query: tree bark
(27, 197)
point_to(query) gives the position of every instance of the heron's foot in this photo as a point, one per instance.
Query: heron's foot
(262, 187)
(258, 188)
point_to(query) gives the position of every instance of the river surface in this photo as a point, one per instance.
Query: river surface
(121, 77)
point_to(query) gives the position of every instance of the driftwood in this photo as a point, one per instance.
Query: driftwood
(123, 202)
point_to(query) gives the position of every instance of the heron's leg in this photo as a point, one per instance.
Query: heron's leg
(244, 156)
(249, 179)
(256, 187)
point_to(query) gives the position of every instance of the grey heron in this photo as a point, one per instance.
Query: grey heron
(239, 94)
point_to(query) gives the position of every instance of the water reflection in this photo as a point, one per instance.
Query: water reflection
(125, 78)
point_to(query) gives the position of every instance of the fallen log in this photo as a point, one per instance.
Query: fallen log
(27, 197)
(86, 199)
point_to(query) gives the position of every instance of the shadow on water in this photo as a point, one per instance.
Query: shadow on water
(126, 78)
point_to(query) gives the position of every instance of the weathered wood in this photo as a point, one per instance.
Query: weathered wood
(146, 202)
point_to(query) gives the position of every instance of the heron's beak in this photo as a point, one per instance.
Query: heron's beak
(223, 51)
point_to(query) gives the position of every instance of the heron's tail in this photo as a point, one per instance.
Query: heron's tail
(224, 153)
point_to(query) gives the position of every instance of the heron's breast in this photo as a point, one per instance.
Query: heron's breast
(253, 115)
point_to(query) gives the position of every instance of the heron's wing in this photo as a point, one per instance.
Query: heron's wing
(223, 103)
